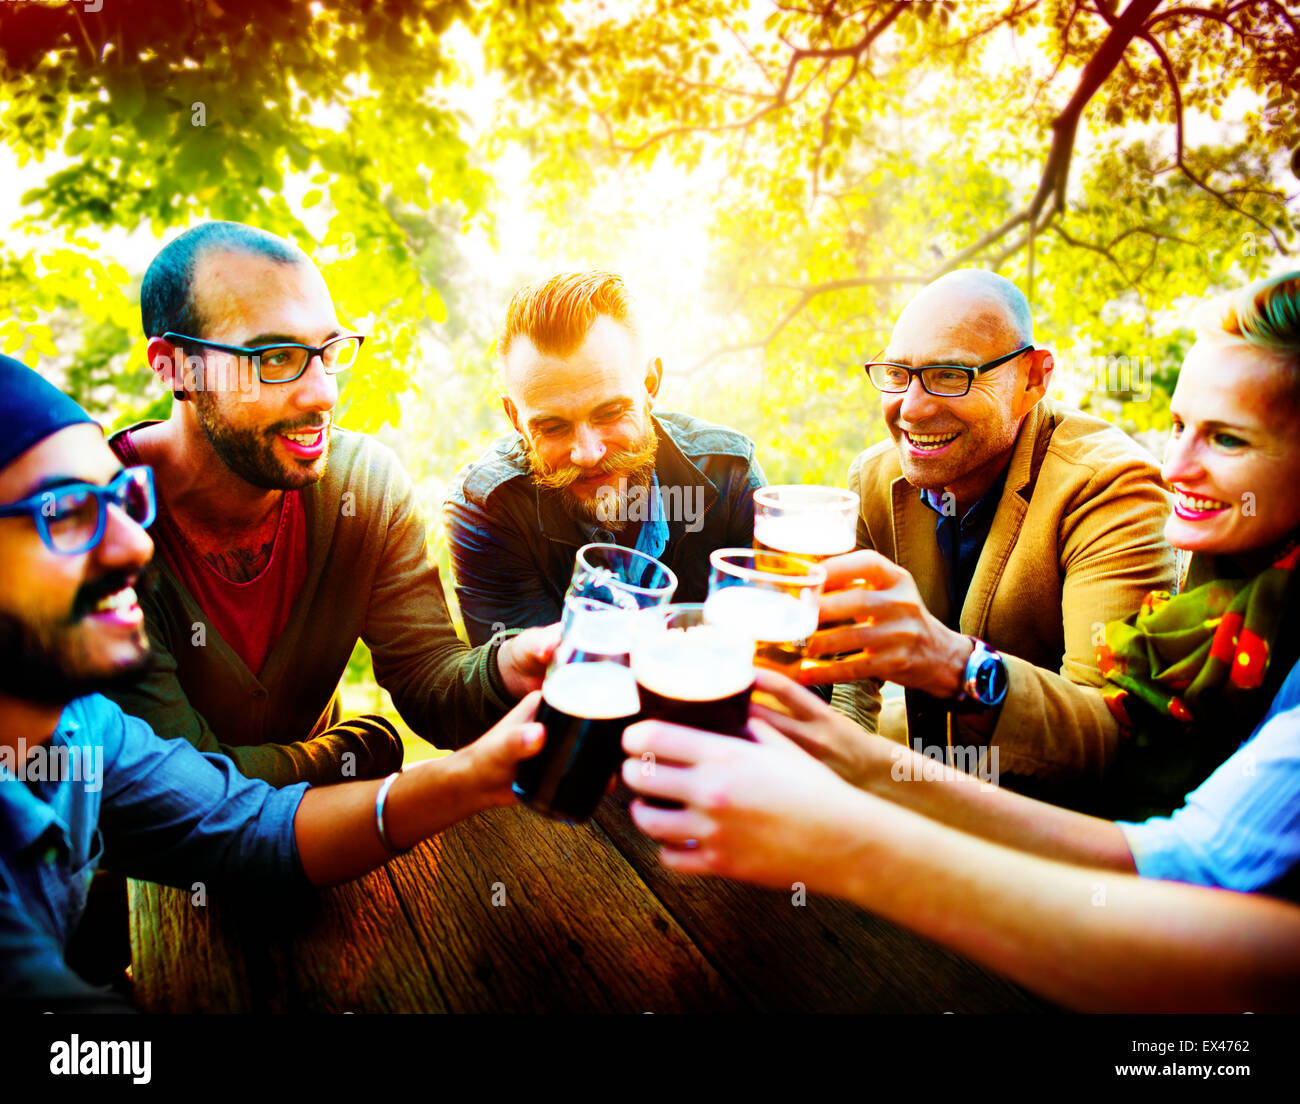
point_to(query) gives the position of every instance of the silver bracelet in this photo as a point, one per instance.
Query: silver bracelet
(380, 797)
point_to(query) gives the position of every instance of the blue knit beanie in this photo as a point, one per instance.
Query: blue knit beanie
(31, 408)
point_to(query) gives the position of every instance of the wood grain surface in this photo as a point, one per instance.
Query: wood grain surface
(509, 911)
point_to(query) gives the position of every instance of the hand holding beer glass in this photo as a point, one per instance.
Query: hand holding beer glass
(878, 627)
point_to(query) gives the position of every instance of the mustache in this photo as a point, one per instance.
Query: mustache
(618, 462)
(91, 592)
(310, 421)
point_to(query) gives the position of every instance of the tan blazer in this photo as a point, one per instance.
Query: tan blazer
(1077, 540)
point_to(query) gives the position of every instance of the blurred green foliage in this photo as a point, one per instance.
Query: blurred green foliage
(844, 152)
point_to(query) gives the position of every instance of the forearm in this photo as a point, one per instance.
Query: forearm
(336, 829)
(447, 693)
(160, 702)
(1090, 940)
(972, 805)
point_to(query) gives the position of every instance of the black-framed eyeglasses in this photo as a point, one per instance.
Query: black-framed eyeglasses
(72, 518)
(285, 362)
(945, 381)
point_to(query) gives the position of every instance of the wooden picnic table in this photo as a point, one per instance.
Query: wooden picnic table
(510, 912)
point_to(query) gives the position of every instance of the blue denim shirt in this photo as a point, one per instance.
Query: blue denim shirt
(1240, 828)
(513, 547)
(151, 808)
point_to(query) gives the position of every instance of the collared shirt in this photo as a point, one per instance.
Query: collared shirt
(105, 788)
(1240, 829)
(961, 541)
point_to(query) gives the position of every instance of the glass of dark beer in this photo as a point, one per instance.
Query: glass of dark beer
(621, 577)
(689, 672)
(588, 697)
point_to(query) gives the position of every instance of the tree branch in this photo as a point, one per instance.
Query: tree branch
(1171, 79)
(781, 97)
(806, 296)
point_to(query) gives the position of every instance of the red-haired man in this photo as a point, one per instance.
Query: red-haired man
(588, 461)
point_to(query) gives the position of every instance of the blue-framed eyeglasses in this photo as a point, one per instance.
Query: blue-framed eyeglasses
(72, 518)
(285, 362)
(946, 381)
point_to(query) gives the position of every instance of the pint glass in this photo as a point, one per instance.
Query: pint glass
(770, 597)
(806, 520)
(588, 697)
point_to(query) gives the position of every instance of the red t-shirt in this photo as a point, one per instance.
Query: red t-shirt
(249, 616)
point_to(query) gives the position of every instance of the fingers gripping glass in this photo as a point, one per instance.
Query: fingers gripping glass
(285, 363)
(943, 380)
(72, 518)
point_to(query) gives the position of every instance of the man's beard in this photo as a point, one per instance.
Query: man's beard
(635, 465)
(250, 453)
(45, 664)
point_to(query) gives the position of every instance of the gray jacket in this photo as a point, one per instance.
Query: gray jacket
(513, 547)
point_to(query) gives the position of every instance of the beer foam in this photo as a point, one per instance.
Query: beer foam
(700, 664)
(600, 632)
(805, 534)
(762, 614)
(596, 691)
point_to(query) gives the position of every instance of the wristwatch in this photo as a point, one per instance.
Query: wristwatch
(984, 684)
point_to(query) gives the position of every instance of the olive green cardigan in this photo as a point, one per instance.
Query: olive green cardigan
(369, 575)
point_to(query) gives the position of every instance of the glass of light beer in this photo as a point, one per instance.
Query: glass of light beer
(770, 597)
(806, 520)
(588, 697)
(809, 521)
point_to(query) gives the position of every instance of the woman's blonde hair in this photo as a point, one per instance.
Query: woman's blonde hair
(1264, 315)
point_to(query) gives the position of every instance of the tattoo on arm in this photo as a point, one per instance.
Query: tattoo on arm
(240, 565)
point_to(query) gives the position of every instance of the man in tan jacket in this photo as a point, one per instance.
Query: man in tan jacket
(1000, 530)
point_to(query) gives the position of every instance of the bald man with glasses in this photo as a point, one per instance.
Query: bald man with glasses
(997, 530)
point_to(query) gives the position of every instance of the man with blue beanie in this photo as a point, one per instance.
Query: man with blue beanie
(82, 782)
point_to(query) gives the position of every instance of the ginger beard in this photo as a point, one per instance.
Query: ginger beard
(628, 469)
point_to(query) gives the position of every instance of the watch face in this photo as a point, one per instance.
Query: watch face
(991, 680)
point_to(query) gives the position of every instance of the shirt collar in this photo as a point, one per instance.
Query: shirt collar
(983, 508)
(25, 817)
